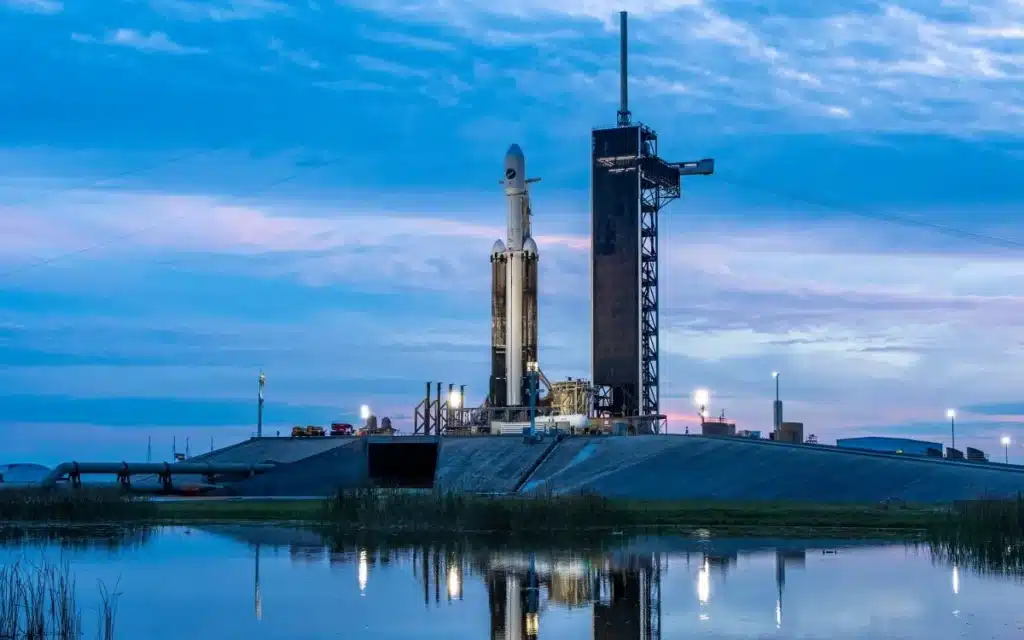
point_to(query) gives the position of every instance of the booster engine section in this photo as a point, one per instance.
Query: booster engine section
(499, 272)
(514, 290)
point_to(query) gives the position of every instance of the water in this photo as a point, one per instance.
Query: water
(265, 582)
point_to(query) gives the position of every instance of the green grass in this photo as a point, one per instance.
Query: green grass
(277, 511)
(425, 513)
(81, 505)
(384, 510)
(420, 512)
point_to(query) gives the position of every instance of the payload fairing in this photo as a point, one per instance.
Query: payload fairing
(514, 291)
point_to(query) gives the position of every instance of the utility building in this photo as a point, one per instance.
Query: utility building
(905, 446)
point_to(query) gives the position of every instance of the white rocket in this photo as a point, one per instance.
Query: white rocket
(514, 290)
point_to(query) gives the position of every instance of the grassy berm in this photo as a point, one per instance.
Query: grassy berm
(424, 511)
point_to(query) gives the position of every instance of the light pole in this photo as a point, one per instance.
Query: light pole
(951, 414)
(1006, 449)
(777, 406)
(454, 404)
(701, 398)
(259, 412)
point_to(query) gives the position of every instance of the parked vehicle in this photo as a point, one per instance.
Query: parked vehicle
(341, 429)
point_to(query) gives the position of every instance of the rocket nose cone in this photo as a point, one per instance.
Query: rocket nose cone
(515, 168)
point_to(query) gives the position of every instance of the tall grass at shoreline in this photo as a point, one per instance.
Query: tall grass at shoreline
(989, 517)
(426, 511)
(984, 535)
(39, 603)
(77, 505)
(390, 510)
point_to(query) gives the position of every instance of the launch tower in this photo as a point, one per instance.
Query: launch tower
(630, 185)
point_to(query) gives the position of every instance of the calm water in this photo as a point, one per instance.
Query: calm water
(260, 582)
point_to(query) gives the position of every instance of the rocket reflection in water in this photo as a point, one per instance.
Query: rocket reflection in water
(622, 590)
(625, 595)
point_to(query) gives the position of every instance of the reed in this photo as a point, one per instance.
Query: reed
(419, 511)
(986, 518)
(984, 535)
(39, 603)
(79, 505)
(390, 510)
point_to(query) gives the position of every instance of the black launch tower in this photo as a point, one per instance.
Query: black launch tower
(630, 185)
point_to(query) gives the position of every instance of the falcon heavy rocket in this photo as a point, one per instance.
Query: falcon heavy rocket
(514, 291)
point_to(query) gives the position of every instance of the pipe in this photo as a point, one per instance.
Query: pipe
(437, 412)
(131, 468)
(426, 413)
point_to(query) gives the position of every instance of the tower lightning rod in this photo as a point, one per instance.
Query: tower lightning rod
(624, 115)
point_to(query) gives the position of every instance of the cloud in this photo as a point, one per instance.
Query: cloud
(997, 409)
(823, 309)
(158, 412)
(387, 67)
(155, 42)
(299, 58)
(47, 7)
(410, 41)
(224, 11)
(948, 67)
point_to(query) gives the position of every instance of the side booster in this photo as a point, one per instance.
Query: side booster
(514, 291)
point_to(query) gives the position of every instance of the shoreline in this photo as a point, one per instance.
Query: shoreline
(393, 513)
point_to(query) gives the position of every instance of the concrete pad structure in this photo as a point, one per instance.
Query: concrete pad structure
(494, 464)
(671, 467)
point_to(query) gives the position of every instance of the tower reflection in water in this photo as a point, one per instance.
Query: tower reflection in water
(624, 593)
(623, 590)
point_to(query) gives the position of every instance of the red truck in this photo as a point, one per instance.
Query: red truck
(341, 429)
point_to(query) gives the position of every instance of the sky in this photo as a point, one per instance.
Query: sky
(193, 191)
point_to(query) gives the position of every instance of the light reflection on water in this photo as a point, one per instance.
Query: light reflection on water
(263, 582)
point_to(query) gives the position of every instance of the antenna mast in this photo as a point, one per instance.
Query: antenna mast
(624, 115)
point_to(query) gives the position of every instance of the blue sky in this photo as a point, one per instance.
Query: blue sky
(190, 191)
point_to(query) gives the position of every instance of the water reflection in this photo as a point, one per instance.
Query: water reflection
(258, 600)
(642, 589)
(621, 589)
(75, 536)
(997, 557)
